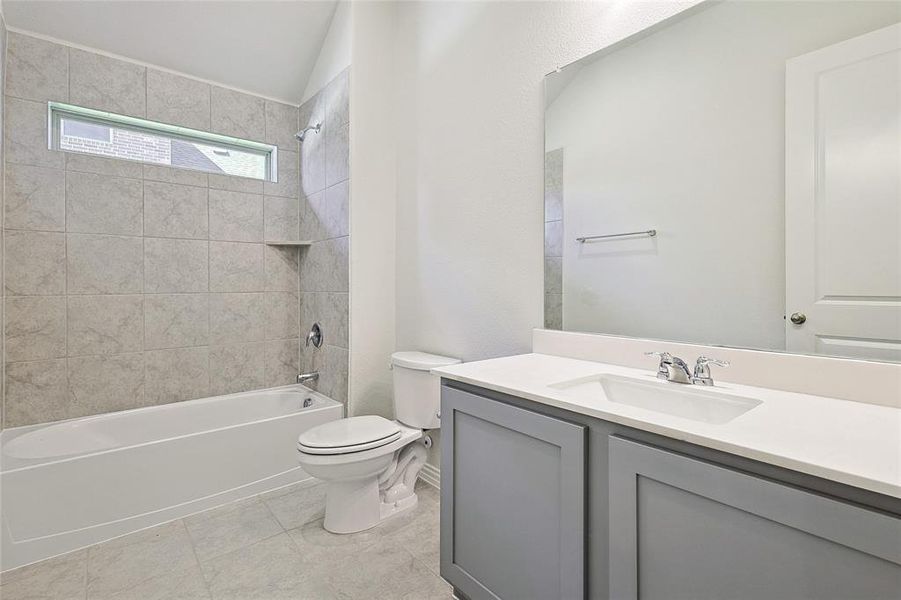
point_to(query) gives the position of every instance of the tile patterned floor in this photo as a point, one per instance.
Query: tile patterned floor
(268, 547)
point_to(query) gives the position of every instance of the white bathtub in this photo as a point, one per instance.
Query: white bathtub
(73, 483)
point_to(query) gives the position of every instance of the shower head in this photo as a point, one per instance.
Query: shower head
(303, 132)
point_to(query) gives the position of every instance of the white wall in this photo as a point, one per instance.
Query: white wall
(470, 130)
(683, 131)
(335, 53)
(372, 208)
(470, 162)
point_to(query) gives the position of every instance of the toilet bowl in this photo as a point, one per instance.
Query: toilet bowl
(370, 464)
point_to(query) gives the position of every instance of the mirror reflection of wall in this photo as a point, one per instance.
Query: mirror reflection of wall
(762, 142)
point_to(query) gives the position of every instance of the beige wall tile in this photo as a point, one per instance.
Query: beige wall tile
(103, 264)
(237, 114)
(282, 268)
(100, 384)
(281, 125)
(35, 263)
(337, 154)
(330, 310)
(25, 127)
(335, 317)
(282, 362)
(103, 204)
(36, 69)
(312, 164)
(236, 267)
(553, 275)
(337, 209)
(175, 265)
(324, 266)
(178, 100)
(282, 218)
(312, 149)
(35, 328)
(176, 374)
(237, 318)
(553, 185)
(176, 320)
(105, 324)
(86, 163)
(118, 339)
(237, 368)
(177, 175)
(35, 198)
(232, 183)
(553, 238)
(314, 217)
(282, 315)
(334, 373)
(104, 83)
(288, 184)
(236, 216)
(553, 311)
(35, 392)
(172, 210)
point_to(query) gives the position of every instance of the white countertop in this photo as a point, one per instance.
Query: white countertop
(849, 442)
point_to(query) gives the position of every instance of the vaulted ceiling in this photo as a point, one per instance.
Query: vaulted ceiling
(261, 46)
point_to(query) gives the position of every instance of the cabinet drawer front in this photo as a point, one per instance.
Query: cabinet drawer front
(512, 501)
(685, 528)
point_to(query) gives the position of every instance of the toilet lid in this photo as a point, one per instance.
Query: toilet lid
(354, 434)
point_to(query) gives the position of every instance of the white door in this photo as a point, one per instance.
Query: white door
(843, 198)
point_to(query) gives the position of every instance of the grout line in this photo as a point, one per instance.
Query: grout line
(206, 584)
(271, 514)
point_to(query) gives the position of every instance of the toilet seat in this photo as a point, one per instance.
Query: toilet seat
(346, 436)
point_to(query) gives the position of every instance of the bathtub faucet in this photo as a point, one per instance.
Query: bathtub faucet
(305, 377)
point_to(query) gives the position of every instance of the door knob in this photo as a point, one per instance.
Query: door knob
(798, 318)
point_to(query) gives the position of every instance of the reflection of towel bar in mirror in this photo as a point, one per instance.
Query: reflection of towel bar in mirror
(649, 232)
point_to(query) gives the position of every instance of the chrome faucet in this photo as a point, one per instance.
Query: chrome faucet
(701, 376)
(674, 369)
(305, 377)
(671, 368)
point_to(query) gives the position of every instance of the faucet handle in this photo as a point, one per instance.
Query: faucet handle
(666, 361)
(701, 374)
(663, 356)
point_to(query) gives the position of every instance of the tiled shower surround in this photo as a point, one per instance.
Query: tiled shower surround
(130, 284)
(553, 239)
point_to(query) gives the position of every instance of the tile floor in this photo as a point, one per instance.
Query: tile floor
(267, 547)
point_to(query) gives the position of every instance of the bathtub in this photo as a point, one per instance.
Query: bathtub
(74, 483)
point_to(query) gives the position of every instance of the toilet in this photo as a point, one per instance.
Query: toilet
(371, 464)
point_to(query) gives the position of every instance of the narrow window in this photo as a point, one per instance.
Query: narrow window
(88, 131)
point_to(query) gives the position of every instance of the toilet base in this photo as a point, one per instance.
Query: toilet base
(393, 509)
(351, 506)
(360, 504)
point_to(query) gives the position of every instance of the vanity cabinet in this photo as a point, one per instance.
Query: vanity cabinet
(513, 523)
(538, 503)
(685, 528)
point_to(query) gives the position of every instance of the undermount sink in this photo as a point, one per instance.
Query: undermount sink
(679, 400)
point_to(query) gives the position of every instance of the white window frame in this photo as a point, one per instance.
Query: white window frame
(58, 110)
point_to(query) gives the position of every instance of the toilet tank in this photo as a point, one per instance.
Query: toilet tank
(417, 393)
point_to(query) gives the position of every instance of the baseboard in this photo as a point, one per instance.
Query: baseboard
(431, 475)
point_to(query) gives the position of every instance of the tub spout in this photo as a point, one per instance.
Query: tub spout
(305, 377)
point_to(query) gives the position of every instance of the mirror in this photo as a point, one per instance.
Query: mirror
(732, 177)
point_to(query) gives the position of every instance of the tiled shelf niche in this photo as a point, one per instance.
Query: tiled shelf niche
(289, 243)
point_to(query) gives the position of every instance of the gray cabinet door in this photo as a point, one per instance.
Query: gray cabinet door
(512, 501)
(685, 528)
